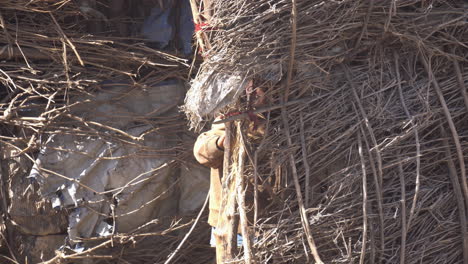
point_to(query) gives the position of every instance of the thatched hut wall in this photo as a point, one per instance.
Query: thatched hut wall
(378, 148)
(96, 162)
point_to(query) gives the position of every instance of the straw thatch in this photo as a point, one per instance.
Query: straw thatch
(365, 163)
(371, 167)
(55, 58)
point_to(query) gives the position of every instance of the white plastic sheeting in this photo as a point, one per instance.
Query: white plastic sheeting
(111, 183)
(212, 90)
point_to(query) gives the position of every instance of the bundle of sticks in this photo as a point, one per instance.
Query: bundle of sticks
(56, 58)
(371, 169)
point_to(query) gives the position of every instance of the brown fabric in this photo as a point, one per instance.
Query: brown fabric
(207, 153)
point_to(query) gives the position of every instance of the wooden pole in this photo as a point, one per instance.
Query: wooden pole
(240, 189)
(226, 229)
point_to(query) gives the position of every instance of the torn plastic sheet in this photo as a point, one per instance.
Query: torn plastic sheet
(88, 175)
(210, 92)
(101, 175)
(77, 248)
(104, 229)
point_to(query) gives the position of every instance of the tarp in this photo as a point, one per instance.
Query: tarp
(109, 183)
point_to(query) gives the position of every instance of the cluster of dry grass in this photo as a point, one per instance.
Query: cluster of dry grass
(55, 56)
(371, 169)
